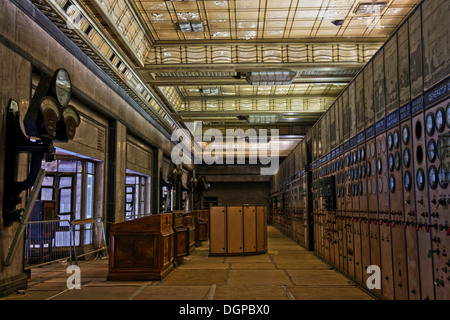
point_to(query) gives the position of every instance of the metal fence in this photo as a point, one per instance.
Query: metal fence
(62, 240)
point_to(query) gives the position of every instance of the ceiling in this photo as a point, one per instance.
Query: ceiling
(189, 60)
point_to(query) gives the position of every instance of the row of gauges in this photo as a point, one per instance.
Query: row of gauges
(437, 121)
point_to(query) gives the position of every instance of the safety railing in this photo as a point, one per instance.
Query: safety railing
(47, 241)
(90, 238)
(51, 241)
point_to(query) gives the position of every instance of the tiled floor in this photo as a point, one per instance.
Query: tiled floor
(285, 272)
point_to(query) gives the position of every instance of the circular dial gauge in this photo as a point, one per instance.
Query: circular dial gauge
(391, 162)
(392, 183)
(443, 177)
(440, 121)
(379, 166)
(407, 181)
(363, 154)
(432, 177)
(72, 120)
(429, 124)
(406, 158)
(62, 87)
(420, 177)
(50, 112)
(431, 150)
(396, 139)
(405, 135)
(447, 115)
(368, 168)
(397, 160)
(390, 141)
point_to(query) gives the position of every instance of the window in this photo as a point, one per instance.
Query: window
(136, 195)
(71, 184)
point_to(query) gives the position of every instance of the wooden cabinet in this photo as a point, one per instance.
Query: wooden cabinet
(141, 249)
(188, 222)
(181, 234)
(238, 230)
(217, 240)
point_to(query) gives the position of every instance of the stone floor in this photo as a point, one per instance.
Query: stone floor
(285, 272)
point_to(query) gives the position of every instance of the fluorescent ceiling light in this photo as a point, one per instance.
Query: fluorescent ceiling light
(211, 91)
(270, 77)
(193, 26)
(370, 8)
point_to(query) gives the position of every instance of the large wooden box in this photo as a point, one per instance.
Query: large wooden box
(181, 236)
(238, 230)
(189, 223)
(201, 225)
(141, 249)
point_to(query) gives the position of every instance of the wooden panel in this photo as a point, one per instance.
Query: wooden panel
(261, 225)
(235, 231)
(249, 229)
(217, 230)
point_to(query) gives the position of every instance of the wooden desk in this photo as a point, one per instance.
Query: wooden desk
(141, 249)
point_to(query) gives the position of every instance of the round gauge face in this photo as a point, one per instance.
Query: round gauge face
(62, 87)
(420, 177)
(363, 154)
(359, 155)
(396, 139)
(347, 160)
(390, 140)
(443, 177)
(361, 189)
(407, 181)
(391, 162)
(431, 150)
(397, 160)
(359, 172)
(51, 114)
(72, 120)
(429, 124)
(405, 135)
(447, 115)
(440, 120)
(368, 169)
(392, 183)
(406, 158)
(432, 177)
(379, 166)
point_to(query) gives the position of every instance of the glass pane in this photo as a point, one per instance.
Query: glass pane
(67, 166)
(65, 201)
(90, 167)
(89, 196)
(48, 181)
(46, 193)
(50, 166)
(78, 197)
(130, 180)
(65, 182)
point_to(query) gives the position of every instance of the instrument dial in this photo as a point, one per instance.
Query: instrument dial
(408, 181)
(406, 158)
(432, 177)
(420, 177)
(405, 135)
(392, 183)
(440, 121)
(396, 139)
(429, 124)
(431, 150)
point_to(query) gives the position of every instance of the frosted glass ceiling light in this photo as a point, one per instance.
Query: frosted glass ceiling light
(270, 77)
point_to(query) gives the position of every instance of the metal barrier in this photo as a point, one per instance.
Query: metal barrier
(47, 241)
(89, 235)
(58, 240)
